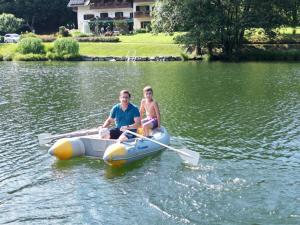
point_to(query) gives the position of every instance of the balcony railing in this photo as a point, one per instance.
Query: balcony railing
(110, 5)
(139, 14)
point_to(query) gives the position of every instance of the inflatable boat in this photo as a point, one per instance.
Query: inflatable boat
(111, 151)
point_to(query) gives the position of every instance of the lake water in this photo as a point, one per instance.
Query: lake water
(243, 119)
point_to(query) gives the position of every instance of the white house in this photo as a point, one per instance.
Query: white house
(136, 12)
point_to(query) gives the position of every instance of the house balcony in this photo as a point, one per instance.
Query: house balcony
(140, 14)
(110, 4)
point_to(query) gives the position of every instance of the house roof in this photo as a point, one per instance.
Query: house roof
(75, 3)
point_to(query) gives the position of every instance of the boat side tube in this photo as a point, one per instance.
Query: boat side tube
(67, 148)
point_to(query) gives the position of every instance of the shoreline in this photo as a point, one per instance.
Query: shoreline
(132, 58)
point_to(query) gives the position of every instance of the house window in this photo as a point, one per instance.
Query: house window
(143, 8)
(119, 14)
(145, 24)
(103, 15)
(88, 16)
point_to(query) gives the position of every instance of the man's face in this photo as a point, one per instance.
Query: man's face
(124, 98)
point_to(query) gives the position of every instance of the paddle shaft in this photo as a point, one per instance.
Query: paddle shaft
(166, 146)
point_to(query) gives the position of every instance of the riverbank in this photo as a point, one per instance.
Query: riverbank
(161, 47)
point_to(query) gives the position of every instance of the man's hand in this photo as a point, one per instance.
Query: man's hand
(123, 128)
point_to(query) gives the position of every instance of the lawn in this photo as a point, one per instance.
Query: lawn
(145, 44)
(7, 49)
(149, 38)
(129, 49)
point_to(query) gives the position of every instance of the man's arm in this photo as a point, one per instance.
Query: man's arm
(107, 122)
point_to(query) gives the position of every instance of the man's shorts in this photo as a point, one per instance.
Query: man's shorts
(115, 133)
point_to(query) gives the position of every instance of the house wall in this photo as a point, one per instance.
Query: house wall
(137, 22)
(83, 10)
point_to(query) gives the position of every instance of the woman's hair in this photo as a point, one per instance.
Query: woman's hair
(125, 92)
(147, 88)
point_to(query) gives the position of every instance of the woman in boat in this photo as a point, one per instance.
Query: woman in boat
(150, 107)
(125, 115)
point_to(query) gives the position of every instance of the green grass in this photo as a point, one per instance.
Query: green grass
(148, 38)
(145, 44)
(129, 49)
(130, 45)
(6, 49)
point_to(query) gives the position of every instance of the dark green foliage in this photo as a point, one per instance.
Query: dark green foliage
(41, 15)
(97, 24)
(31, 45)
(122, 26)
(270, 55)
(1, 39)
(140, 31)
(215, 23)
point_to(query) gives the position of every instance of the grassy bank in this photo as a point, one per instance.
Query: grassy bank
(145, 45)
(129, 49)
(149, 45)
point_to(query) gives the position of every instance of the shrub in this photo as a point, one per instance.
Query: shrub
(28, 35)
(29, 57)
(1, 57)
(55, 56)
(1, 39)
(47, 38)
(77, 33)
(64, 48)
(139, 31)
(31, 45)
(98, 39)
(122, 26)
(63, 31)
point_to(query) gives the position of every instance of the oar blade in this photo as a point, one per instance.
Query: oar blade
(190, 157)
(44, 139)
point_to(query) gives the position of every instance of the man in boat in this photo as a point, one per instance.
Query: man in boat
(125, 115)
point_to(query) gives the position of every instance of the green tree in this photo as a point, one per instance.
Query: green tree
(211, 23)
(9, 23)
(41, 15)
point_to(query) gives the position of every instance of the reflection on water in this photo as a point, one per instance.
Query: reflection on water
(243, 119)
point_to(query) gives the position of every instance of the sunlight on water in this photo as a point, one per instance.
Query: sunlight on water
(242, 118)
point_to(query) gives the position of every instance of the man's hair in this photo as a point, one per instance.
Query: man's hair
(125, 92)
(147, 88)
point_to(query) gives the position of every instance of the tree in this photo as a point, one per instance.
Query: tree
(211, 23)
(9, 23)
(41, 15)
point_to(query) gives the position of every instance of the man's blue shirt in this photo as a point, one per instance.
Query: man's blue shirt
(124, 118)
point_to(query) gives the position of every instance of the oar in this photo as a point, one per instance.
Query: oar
(189, 156)
(45, 138)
